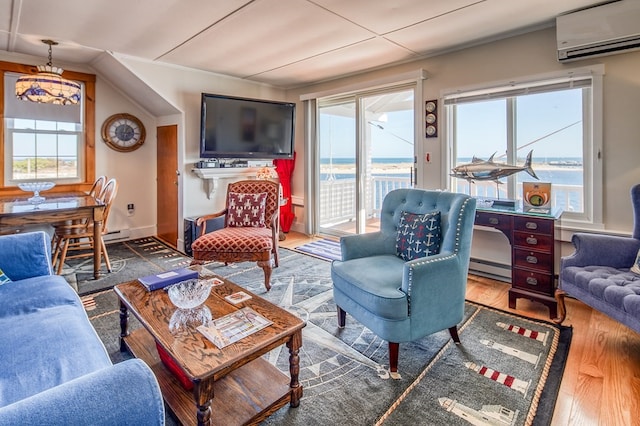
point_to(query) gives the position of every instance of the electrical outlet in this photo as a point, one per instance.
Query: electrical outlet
(130, 209)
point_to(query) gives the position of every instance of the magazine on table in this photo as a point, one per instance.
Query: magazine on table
(233, 327)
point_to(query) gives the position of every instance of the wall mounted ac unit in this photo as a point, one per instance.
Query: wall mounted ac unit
(598, 31)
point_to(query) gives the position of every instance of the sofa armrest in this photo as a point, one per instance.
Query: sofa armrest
(602, 250)
(365, 245)
(25, 255)
(124, 394)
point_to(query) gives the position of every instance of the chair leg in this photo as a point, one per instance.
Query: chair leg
(342, 317)
(63, 255)
(105, 254)
(453, 331)
(562, 309)
(394, 348)
(266, 267)
(56, 249)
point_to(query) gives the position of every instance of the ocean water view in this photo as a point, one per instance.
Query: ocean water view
(559, 170)
(565, 174)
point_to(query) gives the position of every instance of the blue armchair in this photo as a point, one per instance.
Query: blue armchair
(598, 273)
(404, 300)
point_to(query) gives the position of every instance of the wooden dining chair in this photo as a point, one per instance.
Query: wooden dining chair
(98, 186)
(79, 237)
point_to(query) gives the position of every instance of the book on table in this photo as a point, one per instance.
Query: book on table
(233, 327)
(164, 279)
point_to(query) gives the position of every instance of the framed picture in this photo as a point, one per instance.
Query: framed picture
(536, 197)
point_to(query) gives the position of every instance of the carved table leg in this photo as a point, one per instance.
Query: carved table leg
(294, 368)
(203, 394)
(124, 326)
(562, 314)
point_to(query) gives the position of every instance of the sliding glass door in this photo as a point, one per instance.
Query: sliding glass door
(366, 149)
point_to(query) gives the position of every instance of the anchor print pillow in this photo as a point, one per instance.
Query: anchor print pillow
(419, 235)
(247, 210)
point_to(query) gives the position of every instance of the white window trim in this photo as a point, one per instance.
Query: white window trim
(592, 150)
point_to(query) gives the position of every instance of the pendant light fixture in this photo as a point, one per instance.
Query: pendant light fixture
(48, 86)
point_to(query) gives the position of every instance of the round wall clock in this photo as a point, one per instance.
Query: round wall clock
(123, 132)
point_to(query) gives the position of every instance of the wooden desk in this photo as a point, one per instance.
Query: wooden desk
(532, 240)
(56, 209)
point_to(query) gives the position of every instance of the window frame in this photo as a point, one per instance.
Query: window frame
(592, 140)
(88, 151)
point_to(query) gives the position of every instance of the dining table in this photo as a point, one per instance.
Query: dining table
(17, 212)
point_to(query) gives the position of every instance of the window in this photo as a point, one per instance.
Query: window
(46, 142)
(551, 119)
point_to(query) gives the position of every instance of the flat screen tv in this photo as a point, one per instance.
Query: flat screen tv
(246, 128)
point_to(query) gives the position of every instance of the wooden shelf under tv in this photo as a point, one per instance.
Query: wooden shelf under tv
(212, 175)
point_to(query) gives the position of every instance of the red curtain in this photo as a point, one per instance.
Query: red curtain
(284, 168)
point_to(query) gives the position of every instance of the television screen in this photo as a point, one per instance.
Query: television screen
(246, 128)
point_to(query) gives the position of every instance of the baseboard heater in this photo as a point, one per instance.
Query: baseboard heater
(489, 269)
(120, 235)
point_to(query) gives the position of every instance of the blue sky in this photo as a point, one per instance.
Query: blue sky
(551, 123)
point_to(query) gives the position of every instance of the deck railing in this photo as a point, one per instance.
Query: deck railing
(338, 197)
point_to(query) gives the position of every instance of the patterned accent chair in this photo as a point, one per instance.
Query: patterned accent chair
(405, 300)
(257, 242)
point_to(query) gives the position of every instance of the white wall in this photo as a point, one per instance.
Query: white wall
(182, 88)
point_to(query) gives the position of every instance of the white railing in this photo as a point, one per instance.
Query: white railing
(338, 197)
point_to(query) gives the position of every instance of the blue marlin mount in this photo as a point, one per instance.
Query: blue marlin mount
(479, 169)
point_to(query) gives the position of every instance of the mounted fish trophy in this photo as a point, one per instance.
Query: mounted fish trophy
(481, 170)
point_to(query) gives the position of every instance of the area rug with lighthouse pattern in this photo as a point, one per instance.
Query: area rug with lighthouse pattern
(506, 371)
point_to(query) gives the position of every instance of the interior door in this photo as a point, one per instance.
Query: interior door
(168, 174)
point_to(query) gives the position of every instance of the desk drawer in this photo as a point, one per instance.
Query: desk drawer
(533, 241)
(534, 281)
(530, 224)
(533, 260)
(498, 221)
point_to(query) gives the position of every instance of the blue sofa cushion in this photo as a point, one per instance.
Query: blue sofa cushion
(419, 235)
(375, 283)
(35, 294)
(23, 255)
(619, 288)
(46, 338)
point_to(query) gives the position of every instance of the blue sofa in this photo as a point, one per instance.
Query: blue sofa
(54, 370)
(599, 273)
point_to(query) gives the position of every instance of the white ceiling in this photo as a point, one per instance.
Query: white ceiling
(286, 43)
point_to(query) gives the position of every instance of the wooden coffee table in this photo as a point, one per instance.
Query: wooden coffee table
(233, 385)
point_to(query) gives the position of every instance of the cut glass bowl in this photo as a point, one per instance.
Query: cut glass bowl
(36, 188)
(189, 294)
